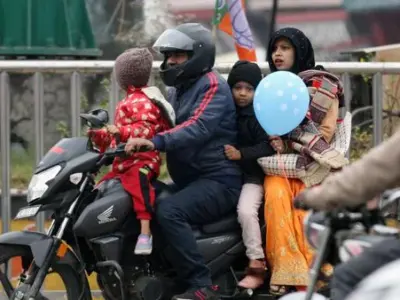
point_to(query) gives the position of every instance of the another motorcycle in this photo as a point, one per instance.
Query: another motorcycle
(383, 284)
(340, 235)
(94, 230)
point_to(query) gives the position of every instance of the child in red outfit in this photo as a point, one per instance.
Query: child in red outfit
(143, 113)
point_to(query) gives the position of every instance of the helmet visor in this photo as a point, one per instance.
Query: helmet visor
(173, 40)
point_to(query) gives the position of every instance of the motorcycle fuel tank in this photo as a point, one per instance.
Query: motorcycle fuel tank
(105, 215)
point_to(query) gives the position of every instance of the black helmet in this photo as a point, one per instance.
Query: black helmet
(192, 38)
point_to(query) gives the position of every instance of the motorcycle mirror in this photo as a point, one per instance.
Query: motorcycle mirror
(389, 198)
(96, 118)
(302, 296)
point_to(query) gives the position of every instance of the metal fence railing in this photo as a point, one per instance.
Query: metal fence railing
(78, 68)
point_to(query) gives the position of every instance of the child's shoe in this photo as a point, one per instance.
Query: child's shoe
(144, 245)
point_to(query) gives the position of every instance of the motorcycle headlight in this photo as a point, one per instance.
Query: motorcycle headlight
(38, 185)
(313, 229)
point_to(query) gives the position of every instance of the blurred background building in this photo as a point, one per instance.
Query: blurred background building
(332, 25)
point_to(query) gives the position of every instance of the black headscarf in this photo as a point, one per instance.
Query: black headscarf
(304, 52)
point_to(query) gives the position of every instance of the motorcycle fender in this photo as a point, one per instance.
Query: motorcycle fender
(39, 244)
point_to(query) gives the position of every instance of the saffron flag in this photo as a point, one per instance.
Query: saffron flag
(230, 17)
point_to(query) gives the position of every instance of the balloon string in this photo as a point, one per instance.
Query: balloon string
(281, 165)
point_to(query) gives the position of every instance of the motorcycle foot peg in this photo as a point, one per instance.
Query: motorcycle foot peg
(245, 292)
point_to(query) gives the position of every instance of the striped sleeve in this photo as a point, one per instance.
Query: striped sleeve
(205, 116)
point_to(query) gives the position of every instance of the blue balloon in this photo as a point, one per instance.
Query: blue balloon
(281, 102)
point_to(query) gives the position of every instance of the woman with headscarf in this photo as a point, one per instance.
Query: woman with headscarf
(313, 158)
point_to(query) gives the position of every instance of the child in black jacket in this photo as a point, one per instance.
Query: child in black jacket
(253, 143)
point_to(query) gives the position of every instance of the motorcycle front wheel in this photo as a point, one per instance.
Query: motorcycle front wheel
(13, 256)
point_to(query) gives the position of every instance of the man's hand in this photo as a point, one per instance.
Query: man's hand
(138, 144)
(305, 200)
(112, 129)
(300, 201)
(232, 153)
(277, 143)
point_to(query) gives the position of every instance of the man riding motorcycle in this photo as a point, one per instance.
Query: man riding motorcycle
(363, 180)
(207, 184)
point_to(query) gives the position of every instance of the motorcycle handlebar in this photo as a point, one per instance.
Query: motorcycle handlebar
(120, 150)
(109, 155)
(117, 151)
(351, 216)
(347, 214)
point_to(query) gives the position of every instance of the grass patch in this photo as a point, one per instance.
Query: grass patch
(22, 165)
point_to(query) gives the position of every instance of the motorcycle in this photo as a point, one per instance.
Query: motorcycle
(93, 230)
(383, 284)
(339, 235)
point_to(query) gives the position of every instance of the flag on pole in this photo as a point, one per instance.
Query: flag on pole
(230, 17)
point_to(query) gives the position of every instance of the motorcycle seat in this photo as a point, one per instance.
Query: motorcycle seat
(228, 223)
